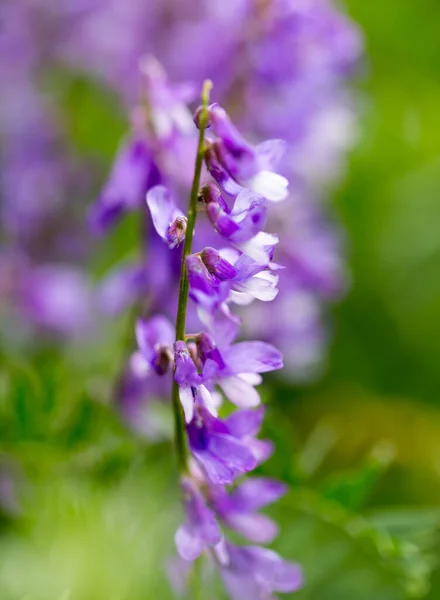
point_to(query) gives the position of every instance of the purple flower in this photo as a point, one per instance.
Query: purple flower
(251, 572)
(251, 167)
(238, 510)
(247, 218)
(134, 172)
(200, 528)
(210, 295)
(303, 41)
(205, 288)
(236, 369)
(121, 288)
(245, 425)
(221, 454)
(191, 387)
(252, 280)
(242, 226)
(248, 279)
(168, 220)
(218, 266)
(155, 339)
(167, 102)
(219, 173)
(59, 298)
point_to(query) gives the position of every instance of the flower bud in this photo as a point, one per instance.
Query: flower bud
(216, 265)
(163, 359)
(177, 231)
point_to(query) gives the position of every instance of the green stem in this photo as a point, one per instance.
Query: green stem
(179, 420)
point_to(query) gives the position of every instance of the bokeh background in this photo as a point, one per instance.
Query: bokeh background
(89, 510)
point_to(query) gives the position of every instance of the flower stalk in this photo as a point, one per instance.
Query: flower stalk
(179, 421)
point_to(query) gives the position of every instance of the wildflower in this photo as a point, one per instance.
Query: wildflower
(251, 572)
(134, 172)
(242, 226)
(190, 382)
(57, 297)
(168, 112)
(155, 340)
(248, 279)
(251, 167)
(238, 509)
(168, 220)
(244, 425)
(236, 369)
(200, 528)
(221, 455)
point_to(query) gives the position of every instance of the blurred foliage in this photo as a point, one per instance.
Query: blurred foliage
(91, 509)
(388, 329)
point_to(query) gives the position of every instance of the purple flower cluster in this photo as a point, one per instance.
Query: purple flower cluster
(210, 365)
(279, 66)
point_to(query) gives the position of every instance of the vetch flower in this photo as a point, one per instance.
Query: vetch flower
(238, 509)
(213, 452)
(168, 220)
(218, 266)
(242, 226)
(155, 341)
(251, 572)
(210, 295)
(246, 219)
(191, 387)
(248, 279)
(244, 425)
(205, 288)
(251, 167)
(168, 111)
(133, 173)
(236, 369)
(57, 297)
(221, 455)
(122, 287)
(200, 528)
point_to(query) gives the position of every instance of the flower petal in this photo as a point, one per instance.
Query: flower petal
(272, 571)
(207, 399)
(270, 153)
(260, 248)
(157, 330)
(253, 357)
(232, 452)
(269, 185)
(256, 492)
(243, 423)
(187, 401)
(257, 528)
(189, 545)
(162, 208)
(239, 391)
(216, 471)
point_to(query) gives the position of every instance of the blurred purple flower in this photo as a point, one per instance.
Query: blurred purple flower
(238, 509)
(168, 220)
(200, 528)
(222, 455)
(251, 572)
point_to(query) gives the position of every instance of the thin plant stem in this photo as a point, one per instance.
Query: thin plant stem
(179, 420)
